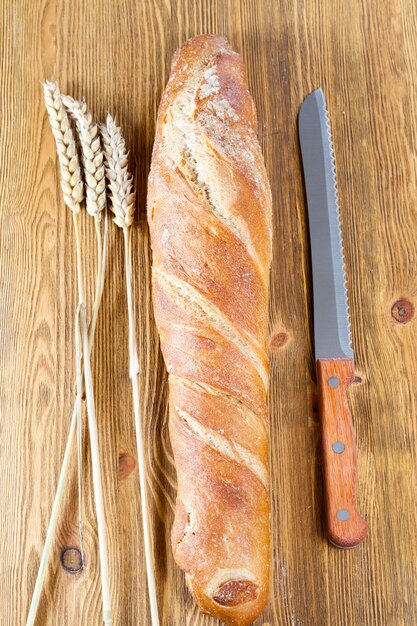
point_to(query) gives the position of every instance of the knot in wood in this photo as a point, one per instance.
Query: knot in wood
(402, 311)
(71, 560)
(127, 464)
(278, 340)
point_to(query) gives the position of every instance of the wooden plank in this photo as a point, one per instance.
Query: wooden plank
(117, 54)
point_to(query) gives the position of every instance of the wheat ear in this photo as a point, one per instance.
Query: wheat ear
(71, 181)
(123, 206)
(95, 181)
(120, 181)
(92, 156)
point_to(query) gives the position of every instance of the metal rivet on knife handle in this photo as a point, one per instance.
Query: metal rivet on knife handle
(343, 515)
(334, 381)
(338, 447)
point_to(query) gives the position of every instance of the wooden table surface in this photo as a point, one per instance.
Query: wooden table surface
(117, 54)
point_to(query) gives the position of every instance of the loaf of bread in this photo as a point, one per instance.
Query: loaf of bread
(209, 212)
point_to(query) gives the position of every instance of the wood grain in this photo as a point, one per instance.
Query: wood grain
(345, 527)
(117, 54)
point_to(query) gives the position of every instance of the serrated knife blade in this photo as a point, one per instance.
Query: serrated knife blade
(333, 350)
(331, 313)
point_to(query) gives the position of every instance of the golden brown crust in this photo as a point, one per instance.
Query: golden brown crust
(209, 212)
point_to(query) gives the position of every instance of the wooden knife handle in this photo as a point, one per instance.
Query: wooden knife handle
(345, 527)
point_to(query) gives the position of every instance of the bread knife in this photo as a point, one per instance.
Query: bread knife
(333, 350)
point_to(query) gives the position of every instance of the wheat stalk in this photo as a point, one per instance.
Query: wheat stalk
(73, 192)
(123, 206)
(92, 426)
(72, 187)
(95, 182)
(78, 409)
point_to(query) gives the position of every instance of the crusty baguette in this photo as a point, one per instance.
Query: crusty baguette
(209, 212)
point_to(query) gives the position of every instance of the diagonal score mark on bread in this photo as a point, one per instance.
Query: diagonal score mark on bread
(194, 172)
(191, 298)
(228, 448)
(248, 416)
(190, 153)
